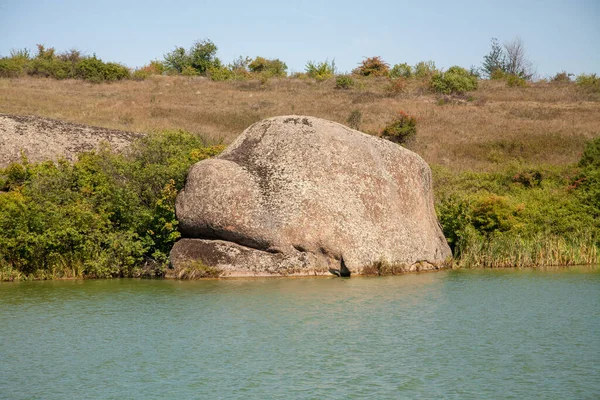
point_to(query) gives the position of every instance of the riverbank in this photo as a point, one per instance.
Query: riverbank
(513, 185)
(111, 214)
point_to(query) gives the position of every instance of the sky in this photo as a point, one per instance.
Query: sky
(558, 35)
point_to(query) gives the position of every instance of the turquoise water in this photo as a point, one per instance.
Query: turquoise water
(454, 334)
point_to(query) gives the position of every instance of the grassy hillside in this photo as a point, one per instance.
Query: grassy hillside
(541, 123)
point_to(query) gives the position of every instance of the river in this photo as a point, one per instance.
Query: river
(480, 334)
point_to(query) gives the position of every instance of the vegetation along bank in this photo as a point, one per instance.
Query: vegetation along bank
(516, 163)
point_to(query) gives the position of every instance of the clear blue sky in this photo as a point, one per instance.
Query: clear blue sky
(558, 35)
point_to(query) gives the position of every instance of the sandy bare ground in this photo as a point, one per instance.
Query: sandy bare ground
(41, 139)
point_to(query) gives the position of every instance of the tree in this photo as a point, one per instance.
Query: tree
(516, 62)
(200, 57)
(494, 60)
(509, 59)
(177, 59)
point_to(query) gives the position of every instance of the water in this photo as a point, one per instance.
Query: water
(455, 334)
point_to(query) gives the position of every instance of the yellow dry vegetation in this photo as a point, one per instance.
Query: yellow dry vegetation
(542, 123)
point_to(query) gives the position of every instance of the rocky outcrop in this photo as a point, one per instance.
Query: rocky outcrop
(41, 139)
(295, 195)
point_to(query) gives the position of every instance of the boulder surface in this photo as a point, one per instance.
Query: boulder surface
(295, 195)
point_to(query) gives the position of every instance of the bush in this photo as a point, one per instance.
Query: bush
(189, 71)
(561, 77)
(95, 70)
(153, 68)
(344, 82)
(320, 70)
(373, 66)
(396, 87)
(53, 68)
(12, 67)
(107, 215)
(515, 81)
(588, 182)
(69, 64)
(424, 69)
(591, 155)
(220, 73)
(401, 71)
(200, 57)
(518, 217)
(456, 80)
(270, 67)
(588, 82)
(354, 119)
(402, 129)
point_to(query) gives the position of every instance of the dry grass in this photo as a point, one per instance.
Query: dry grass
(541, 123)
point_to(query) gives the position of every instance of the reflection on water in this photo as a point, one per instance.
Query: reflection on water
(453, 334)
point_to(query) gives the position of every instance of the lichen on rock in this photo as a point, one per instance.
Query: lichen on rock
(294, 195)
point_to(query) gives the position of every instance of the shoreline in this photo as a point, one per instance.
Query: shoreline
(546, 268)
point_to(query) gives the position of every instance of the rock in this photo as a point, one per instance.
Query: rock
(41, 139)
(294, 195)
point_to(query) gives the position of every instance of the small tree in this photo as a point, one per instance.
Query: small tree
(455, 80)
(424, 69)
(494, 61)
(402, 129)
(200, 57)
(401, 71)
(177, 60)
(510, 59)
(373, 66)
(517, 62)
(320, 70)
(270, 67)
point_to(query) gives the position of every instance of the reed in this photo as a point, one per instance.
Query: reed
(538, 251)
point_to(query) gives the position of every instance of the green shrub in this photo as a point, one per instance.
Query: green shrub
(498, 74)
(424, 69)
(95, 70)
(107, 215)
(515, 81)
(344, 82)
(140, 74)
(591, 155)
(200, 57)
(53, 68)
(402, 129)
(561, 77)
(588, 82)
(189, 71)
(220, 73)
(456, 80)
(153, 68)
(270, 67)
(525, 215)
(401, 71)
(320, 70)
(354, 119)
(588, 182)
(12, 67)
(373, 66)
(69, 64)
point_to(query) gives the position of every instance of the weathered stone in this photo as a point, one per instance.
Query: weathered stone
(41, 139)
(295, 195)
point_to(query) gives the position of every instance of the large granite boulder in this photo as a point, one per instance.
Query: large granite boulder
(296, 195)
